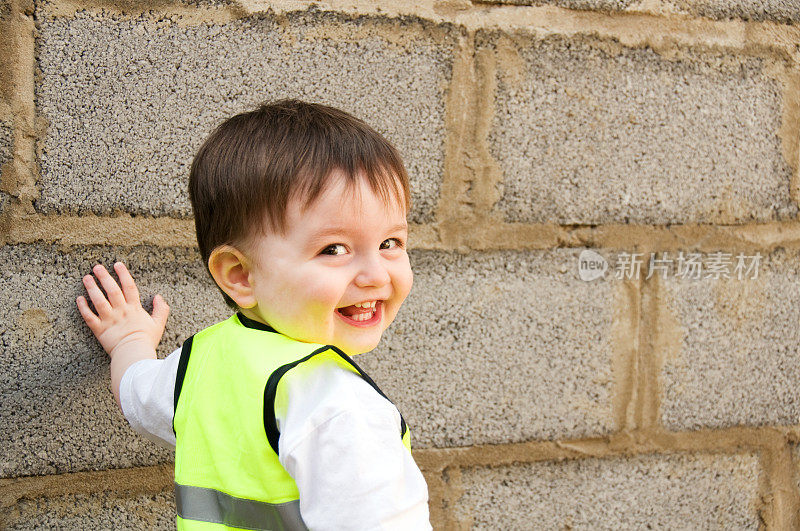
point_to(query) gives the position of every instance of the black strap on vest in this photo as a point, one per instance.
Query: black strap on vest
(271, 425)
(186, 350)
(249, 323)
(183, 362)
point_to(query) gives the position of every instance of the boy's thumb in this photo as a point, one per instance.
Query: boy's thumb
(160, 310)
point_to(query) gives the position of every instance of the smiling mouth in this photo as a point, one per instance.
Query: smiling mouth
(361, 314)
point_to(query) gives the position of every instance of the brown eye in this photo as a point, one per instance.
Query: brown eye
(334, 249)
(391, 243)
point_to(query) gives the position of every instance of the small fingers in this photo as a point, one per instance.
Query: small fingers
(160, 311)
(96, 296)
(129, 289)
(113, 292)
(88, 315)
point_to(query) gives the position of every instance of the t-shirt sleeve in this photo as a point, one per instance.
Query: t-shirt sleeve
(340, 442)
(146, 393)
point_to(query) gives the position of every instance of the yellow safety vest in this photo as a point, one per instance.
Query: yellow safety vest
(227, 472)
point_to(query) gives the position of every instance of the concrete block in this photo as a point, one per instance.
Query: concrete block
(6, 149)
(730, 348)
(643, 492)
(786, 11)
(587, 132)
(6, 142)
(593, 5)
(129, 101)
(97, 511)
(500, 347)
(57, 412)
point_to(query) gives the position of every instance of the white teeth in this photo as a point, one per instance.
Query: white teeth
(365, 304)
(362, 316)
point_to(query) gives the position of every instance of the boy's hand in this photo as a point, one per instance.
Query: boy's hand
(121, 321)
(125, 330)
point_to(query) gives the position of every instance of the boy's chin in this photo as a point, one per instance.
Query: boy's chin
(355, 350)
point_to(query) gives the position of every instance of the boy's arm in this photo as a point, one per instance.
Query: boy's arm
(123, 328)
(354, 471)
(146, 394)
(340, 442)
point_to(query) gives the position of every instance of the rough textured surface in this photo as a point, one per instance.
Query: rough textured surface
(211, 3)
(594, 5)
(129, 101)
(5, 142)
(57, 412)
(731, 348)
(796, 462)
(104, 511)
(137, 6)
(586, 133)
(643, 492)
(6, 146)
(499, 347)
(775, 10)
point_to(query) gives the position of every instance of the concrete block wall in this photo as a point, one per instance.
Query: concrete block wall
(533, 131)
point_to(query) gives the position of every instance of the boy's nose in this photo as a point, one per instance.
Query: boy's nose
(372, 273)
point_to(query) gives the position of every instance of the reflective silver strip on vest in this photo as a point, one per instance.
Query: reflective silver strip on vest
(209, 505)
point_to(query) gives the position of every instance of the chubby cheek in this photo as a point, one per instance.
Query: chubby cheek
(320, 300)
(302, 309)
(402, 280)
(407, 277)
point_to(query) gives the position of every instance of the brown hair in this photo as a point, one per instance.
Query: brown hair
(254, 163)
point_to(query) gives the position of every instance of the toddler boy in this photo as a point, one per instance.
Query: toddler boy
(300, 211)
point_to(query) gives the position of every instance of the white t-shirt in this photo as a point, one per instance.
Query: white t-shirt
(340, 442)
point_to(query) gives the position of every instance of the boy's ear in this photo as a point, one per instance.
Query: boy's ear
(231, 271)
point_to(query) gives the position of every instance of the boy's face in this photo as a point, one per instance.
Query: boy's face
(348, 248)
